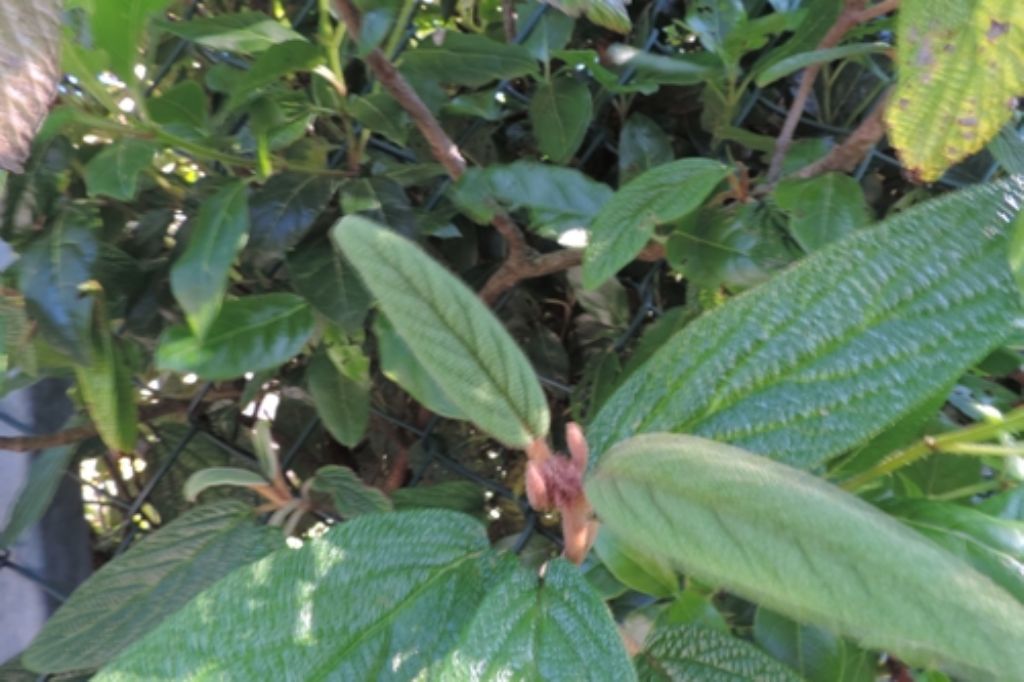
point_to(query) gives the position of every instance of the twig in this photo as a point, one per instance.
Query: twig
(164, 408)
(846, 156)
(508, 19)
(441, 146)
(854, 13)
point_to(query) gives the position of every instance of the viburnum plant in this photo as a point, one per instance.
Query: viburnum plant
(789, 444)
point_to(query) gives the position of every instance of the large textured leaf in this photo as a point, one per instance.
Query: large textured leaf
(647, 574)
(351, 496)
(560, 112)
(831, 352)
(552, 628)
(457, 339)
(44, 476)
(50, 272)
(383, 596)
(556, 199)
(30, 55)
(115, 170)
(960, 66)
(250, 334)
(467, 59)
(199, 276)
(993, 546)
(814, 653)
(133, 593)
(105, 383)
(822, 209)
(695, 654)
(785, 539)
(283, 210)
(655, 197)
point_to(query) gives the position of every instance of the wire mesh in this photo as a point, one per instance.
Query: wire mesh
(432, 446)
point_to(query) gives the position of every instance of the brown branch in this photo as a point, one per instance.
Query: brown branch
(854, 13)
(441, 146)
(508, 19)
(846, 156)
(68, 436)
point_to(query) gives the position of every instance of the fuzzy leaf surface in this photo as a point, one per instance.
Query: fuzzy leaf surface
(457, 339)
(831, 352)
(350, 494)
(383, 596)
(696, 654)
(550, 628)
(133, 593)
(790, 541)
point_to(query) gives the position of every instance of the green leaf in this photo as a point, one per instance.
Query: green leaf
(822, 209)
(960, 66)
(992, 545)
(462, 496)
(831, 352)
(199, 277)
(642, 146)
(457, 339)
(1008, 149)
(342, 398)
(250, 334)
(644, 573)
(133, 593)
(714, 20)
(560, 112)
(736, 247)
(44, 476)
(657, 196)
(551, 33)
(351, 496)
(399, 365)
(793, 543)
(784, 67)
(117, 28)
(285, 208)
(220, 476)
(49, 273)
(278, 60)
(382, 114)
(611, 14)
(114, 172)
(818, 655)
(695, 654)
(467, 59)
(30, 41)
(201, 452)
(105, 383)
(685, 69)
(556, 199)
(184, 104)
(244, 32)
(550, 628)
(323, 277)
(383, 595)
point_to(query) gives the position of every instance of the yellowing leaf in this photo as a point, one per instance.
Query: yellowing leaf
(960, 66)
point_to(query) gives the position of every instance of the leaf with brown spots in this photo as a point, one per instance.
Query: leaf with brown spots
(960, 68)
